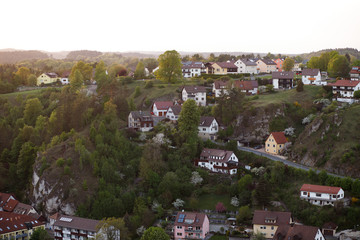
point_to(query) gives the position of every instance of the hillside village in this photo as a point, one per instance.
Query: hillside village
(101, 149)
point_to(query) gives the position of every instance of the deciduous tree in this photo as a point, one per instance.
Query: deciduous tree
(139, 71)
(169, 67)
(33, 108)
(339, 66)
(112, 229)
(155, 233)
(288, 64)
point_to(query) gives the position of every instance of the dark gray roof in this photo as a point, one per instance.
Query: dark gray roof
(143, 115)
(283, 75)
(268, 61)
(176, 109)
(195, 89)
(310, 72)
(247, 62)
(206, 121)
(76, 222)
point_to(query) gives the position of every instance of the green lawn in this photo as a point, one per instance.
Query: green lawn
(288, 96)
(209, 201)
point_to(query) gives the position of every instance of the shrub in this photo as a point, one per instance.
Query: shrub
(149, 84)
(137, 92)
(67, 170)
(60, 162)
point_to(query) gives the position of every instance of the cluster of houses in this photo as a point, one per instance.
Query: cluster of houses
(244, 65)
(274, 225)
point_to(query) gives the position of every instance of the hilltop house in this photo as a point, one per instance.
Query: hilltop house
(248, 87)
(197, 93)
(192, 69)
(191, 225)
(343, 90)
(160, 108)
(267, 222)
(140, 120)
(266, 66)
(9, 204)
(208, 128)
(219, 161)
(221, 68)
(18, 226)
(298, 232)
(355, 73)
(221, 87)
(321, 195)
(246, 66)
(311, 76)
(47, 78)
(283, 80)
(173, 112)
(279, 64)
(275, 143)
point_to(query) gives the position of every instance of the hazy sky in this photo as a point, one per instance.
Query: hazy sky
(282, 26)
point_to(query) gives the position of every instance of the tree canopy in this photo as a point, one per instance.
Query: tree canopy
(155, 233)
(288, 64)
(169, 67)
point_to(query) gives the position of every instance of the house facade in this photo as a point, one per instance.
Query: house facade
(298, 232)
(197, 93)
(296, 68)
(275, 143)
(311, 76)
(283, 80)
(141, 121)
(321, 195)
(160, 108)
(267, 222)
(47, 78)
(265, 66)
(355, 73)
(191, 225)
(219, 161)
(246, 66)
(221, 87)
(343, 90)
(192, 69)
(208, 128)
(173, 112)
(70, 227)
(279, 64)
(223, 68)
(18, 226)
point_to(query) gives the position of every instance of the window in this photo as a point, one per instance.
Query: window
(272, 228)
(179, 234)
(179, 227)
(273, 145)
(304, 193)
(318, 194)
(268, 145)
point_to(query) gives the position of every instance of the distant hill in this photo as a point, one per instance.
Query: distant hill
(17, 56)
(83, 54)
(342, 51)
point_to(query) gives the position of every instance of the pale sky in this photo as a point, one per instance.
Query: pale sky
(282, 26)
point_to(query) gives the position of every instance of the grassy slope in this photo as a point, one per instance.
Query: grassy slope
(305, 97)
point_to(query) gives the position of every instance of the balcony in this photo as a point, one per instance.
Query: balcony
(193, 231)
(21, 235)
(320, 198)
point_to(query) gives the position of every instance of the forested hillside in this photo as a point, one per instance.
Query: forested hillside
(17, 56)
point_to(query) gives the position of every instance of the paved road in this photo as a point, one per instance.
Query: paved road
(283, 160)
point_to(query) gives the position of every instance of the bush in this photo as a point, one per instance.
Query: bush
(67, 170)
(60, 162)
(149, 84)
(137, 92)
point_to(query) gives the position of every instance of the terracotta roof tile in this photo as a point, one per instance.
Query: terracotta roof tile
(296, 232)
(190, 219)
(10, 205)
(279, 137)
(163, 105)
(344, 83)
(320, 189)
(10, 222)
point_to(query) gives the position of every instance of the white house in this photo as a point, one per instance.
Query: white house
(173, 112)
(247, 87)
(208, 128)
(321, 195)
(140, 120)
(221, 87)
(343, 90)
(217, 160)
(192, 69)
(160, 108)
(197, 93)
(355, 73)
(311, 76)
(246, 66)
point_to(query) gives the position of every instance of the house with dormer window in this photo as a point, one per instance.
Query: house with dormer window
(267, 222)
(219, 161)
(208, 128)
(191, 225)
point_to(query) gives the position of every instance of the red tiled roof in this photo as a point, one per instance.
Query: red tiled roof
(196, 218)
(10, 205)
(320, 189)
(163, 105)
(10, 222)
(261, 217)
(223, 155)
(226, 64)
(4, 197)
(218, 84)
(279, 137)
(355, 69)
(246, 85)
(344, 83)
(296, 232)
